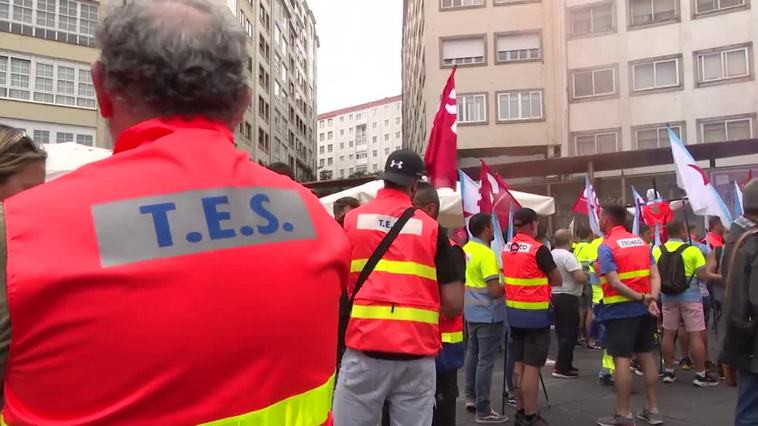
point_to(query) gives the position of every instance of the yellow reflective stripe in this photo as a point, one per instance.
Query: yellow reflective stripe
(526, 281)
(454, 337)
(642, 273)
(397, 267)
(608, 300)
(527, 305)
(395, 313)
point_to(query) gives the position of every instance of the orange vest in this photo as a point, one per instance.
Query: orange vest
(452, 329)
(632, 257)
(174, 283)
(526, 286)
(397, 309)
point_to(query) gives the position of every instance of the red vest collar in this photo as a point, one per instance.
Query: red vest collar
(618, 229)
(393, 194)
(525, 237)
(156, 128)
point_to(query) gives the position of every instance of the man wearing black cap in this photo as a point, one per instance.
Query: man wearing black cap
(393, 334)
(530, 272)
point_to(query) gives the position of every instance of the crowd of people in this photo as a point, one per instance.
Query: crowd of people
(178, 282)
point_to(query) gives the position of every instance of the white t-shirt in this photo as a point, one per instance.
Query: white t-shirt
(567, 264)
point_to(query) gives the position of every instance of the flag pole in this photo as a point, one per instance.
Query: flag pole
(686, 220)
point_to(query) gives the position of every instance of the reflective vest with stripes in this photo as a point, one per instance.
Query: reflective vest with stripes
(397, 309)
(174, 283)
(452, 329)
(632, 257)
(451, 355)
(527, 290)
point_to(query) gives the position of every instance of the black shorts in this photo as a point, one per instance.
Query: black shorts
(586, 298)
(707, 310)
(530, 345)
(628, 336)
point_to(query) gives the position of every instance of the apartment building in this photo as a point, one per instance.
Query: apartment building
(47, 46)
(545, 78)
(356, 141)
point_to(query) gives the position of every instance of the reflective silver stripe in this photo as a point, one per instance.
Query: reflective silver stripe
(189, 222)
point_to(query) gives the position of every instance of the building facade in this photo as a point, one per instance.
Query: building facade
(47, 46)
(356, 141)
(550, 78)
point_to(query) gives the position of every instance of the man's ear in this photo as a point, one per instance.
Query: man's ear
(104, 99)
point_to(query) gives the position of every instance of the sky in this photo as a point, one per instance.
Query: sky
(359, 58)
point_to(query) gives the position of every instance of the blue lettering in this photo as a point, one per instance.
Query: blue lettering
(256, 204)
(160, 222)
(213, 218)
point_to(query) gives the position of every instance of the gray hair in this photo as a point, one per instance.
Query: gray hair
(156, 56)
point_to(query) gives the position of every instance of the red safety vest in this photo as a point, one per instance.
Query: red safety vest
(632, 257)
(526, 286)
(452, 329)
(397, 309)
(174, 283)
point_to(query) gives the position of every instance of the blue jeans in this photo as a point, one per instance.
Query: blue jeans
(747, 399)
(483, 342)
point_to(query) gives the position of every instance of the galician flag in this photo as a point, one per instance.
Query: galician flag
(703, 198)
(638, 203)
(738, 211)
(588, 204)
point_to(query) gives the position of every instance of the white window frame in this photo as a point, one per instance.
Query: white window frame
(527, 52)
(615, 134)
(657, 129)
(592, 8)
(461, 111)
(52, 129)
(724, 63)
(725, 122)
(655, 86)
(461, 4)
(593, 71)
(519, 95)
(718, 7)
(652, 14)
(462, 61)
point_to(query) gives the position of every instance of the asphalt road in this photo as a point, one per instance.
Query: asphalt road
(579, 402)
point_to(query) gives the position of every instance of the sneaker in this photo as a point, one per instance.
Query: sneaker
(615, 420)
(470, 406)
(594, 347)
(574, 369)
(637, 368)
(492, 418)
(650, 417)
(704, 380)
(550, 363)
(669, 376)
(568, 374)
(510, 400)
(605, 379)
(581, 341)
(536, 421)
(686, 364)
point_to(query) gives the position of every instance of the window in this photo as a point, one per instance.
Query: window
(593, 19)
(54, 81)
(373, 139)
(517, 47)
(67, 21)
(342, 145)
(358, 116)
(452, 4)
(591, 83)
(350, 130)
(342, 158)
(463, 51)
(652, 137)
(709, 6)
(263, 140)
(397, 135)
(646, 12)
(724, 64)
(41, 136)
(330, 161)
(597, 143)
(342, 173)
(472, 109)
(46, 13)
(63, 137)
(655, 74)
(321, 149)
(263, 78)
(87, 140)
(330, 148)
(726, 129)
(248, 133)
(386, 151)
(321, 162)
(342, 132)
(22, 11)
(374, 153)
(351, 144)
(375, 167)
(320, 137)
(373, 125)
(321, 124)
(330, 135)
(361, 155)
(522, 105)
(350, 117)
(397, 121)
(330, 122)
(386, 136)
(68, 17)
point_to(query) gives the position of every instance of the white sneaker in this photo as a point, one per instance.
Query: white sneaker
(550, 363)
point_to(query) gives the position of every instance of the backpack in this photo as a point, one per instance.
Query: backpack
(674, 281)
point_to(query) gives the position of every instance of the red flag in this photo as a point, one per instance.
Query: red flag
(749, 177)
(496, 195)
(441, 156)
(580, 205)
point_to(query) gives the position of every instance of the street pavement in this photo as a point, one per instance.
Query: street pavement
(579, 402)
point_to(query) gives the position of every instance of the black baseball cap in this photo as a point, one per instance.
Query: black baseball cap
(404, 167)
(524, 216)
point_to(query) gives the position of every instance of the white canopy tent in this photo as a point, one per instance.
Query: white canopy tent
(451, 209)
(64, 158)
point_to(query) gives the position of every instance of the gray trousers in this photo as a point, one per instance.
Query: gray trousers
(365, 383)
